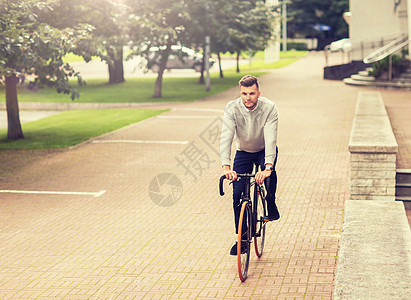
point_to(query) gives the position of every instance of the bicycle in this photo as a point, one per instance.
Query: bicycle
(252, 221)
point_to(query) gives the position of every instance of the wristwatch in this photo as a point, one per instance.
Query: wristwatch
(268, 168)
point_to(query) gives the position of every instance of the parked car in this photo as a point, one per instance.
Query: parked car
(179, 58)
(341, 45)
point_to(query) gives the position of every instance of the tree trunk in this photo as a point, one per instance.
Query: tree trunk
(115, 68)
(238, 61)
(13, 116)
(219, 65)
(159, 80)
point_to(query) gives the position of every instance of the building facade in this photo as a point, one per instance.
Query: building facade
(373, 23)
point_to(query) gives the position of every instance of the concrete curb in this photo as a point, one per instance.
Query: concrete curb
(375, 252)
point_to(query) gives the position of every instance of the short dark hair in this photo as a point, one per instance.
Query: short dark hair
(249, 80)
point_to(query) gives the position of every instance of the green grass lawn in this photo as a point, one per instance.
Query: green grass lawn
(260, 54)
(72, 127)
(70, 57)
(142, 89)
(134, 90)
(288, 54)
(257, 62)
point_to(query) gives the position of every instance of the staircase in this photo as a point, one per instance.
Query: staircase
(403, 187)
(401, 81)
(404, 77)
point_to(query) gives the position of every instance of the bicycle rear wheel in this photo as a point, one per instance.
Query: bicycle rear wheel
(244, 240)
(260, 209)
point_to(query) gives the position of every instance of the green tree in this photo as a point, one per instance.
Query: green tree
(304, 14)
(203, 21)
(160, 24)
(110, 35)
(233, 26)
(251, 26)
(110, 19)
(32, 49)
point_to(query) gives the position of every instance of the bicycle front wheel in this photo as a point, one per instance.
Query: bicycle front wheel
(244, 240)
(260, 209)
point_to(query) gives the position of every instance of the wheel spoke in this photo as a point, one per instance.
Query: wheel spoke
(261, 210)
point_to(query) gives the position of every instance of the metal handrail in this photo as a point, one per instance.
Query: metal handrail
(373, 42)
(362, 45)
(387, 50)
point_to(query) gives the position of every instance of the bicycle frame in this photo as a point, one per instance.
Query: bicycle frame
(246, 193)
(252, 218)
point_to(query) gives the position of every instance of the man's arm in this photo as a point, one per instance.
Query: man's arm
(270, 136)
(226, 140)
(227, 136)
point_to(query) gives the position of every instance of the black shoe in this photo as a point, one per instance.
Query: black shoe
(273, 214)
(233, 250)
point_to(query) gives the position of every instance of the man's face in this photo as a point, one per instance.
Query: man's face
(249, 95)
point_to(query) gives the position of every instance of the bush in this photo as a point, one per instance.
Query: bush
(299, 46)
(381, 66)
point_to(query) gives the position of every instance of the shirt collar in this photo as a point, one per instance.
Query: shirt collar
(246, 109)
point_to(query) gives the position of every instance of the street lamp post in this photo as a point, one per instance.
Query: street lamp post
(207, 62)
(409, 26)
(284, 17)
(272, 51)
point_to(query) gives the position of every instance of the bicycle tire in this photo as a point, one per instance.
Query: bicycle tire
(260, 211)
(244, 240)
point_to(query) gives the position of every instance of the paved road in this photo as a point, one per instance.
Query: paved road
(117, 242)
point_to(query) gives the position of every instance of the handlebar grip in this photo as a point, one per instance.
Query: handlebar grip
(221, 185)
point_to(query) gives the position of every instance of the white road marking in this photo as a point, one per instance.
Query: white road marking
(141, 142)
(201, 109)
(186, 117)
(98, 194)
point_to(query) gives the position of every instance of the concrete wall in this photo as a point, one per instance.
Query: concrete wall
(374, 19)
(373, 150)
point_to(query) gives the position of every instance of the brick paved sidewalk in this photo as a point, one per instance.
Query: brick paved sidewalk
(121, 245)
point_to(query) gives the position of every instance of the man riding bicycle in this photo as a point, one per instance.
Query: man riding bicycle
(253, 120)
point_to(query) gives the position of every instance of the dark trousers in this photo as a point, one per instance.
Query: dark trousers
(244, 163)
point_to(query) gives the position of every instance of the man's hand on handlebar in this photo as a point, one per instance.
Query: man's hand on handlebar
(230, 174)
(260, 176)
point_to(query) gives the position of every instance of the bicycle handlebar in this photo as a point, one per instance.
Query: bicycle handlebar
(267, 183)
(238, 175)
(221, 184)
